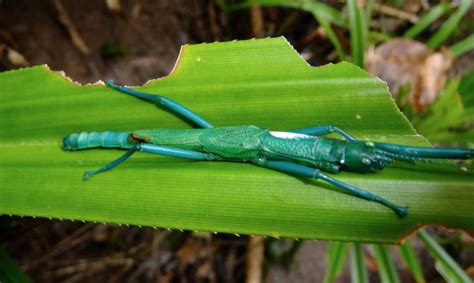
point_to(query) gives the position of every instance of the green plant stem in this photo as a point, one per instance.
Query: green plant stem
(358, 268)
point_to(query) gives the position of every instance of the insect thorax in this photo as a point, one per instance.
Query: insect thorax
(235, 143)
(323, 153)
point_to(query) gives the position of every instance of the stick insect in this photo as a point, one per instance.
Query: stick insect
(300, 152)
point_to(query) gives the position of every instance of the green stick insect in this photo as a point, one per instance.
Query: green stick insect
(300, 152)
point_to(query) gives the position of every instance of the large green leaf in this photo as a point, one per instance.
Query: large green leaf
(262, 82)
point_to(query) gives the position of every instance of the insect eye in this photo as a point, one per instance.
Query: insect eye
(371, 144)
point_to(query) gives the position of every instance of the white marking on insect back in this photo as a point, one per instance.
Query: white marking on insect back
(288, 135)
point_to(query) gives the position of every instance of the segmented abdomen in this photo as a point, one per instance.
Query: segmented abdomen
(85, 140)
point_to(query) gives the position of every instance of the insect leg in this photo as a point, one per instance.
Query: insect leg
(165, 102)
(112, 164)
(316, 174)
(324, 130)
(154, 149)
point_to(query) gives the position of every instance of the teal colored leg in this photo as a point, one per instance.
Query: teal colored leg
(323, 130)
(112, 164)
(316, 174)
(154, 149)
(165, 102)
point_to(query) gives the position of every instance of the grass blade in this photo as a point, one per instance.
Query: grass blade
(462, 46)
(449, 26)
(358, 33)
(10, 272)
(324, 11)
(330, 33)
(379, 37)
(336, 254)
(368, 12)
(466, 89)
(386, 267)
(358, 269)
(408, 255)
(425, 21)
(445, 264)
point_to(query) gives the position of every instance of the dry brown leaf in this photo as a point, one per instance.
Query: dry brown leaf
(16, 58)
(414, 6)
(113, 5)
(403, 61)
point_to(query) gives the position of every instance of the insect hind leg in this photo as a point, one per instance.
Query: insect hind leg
(305, 171)
(165, 102)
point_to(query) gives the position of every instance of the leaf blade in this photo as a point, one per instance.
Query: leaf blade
(10, 272)
(358, 32)
(336, 255)
(408, 255)
(39, 179)
(449, 26)
(427, 20)
(385, 264)
(358, 269)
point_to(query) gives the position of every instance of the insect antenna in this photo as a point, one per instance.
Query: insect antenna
(413, 160)
(425, 152)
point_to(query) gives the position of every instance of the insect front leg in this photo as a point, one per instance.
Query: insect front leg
(154, 149)
(324, 130)
(305, 171)
(165, 102)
